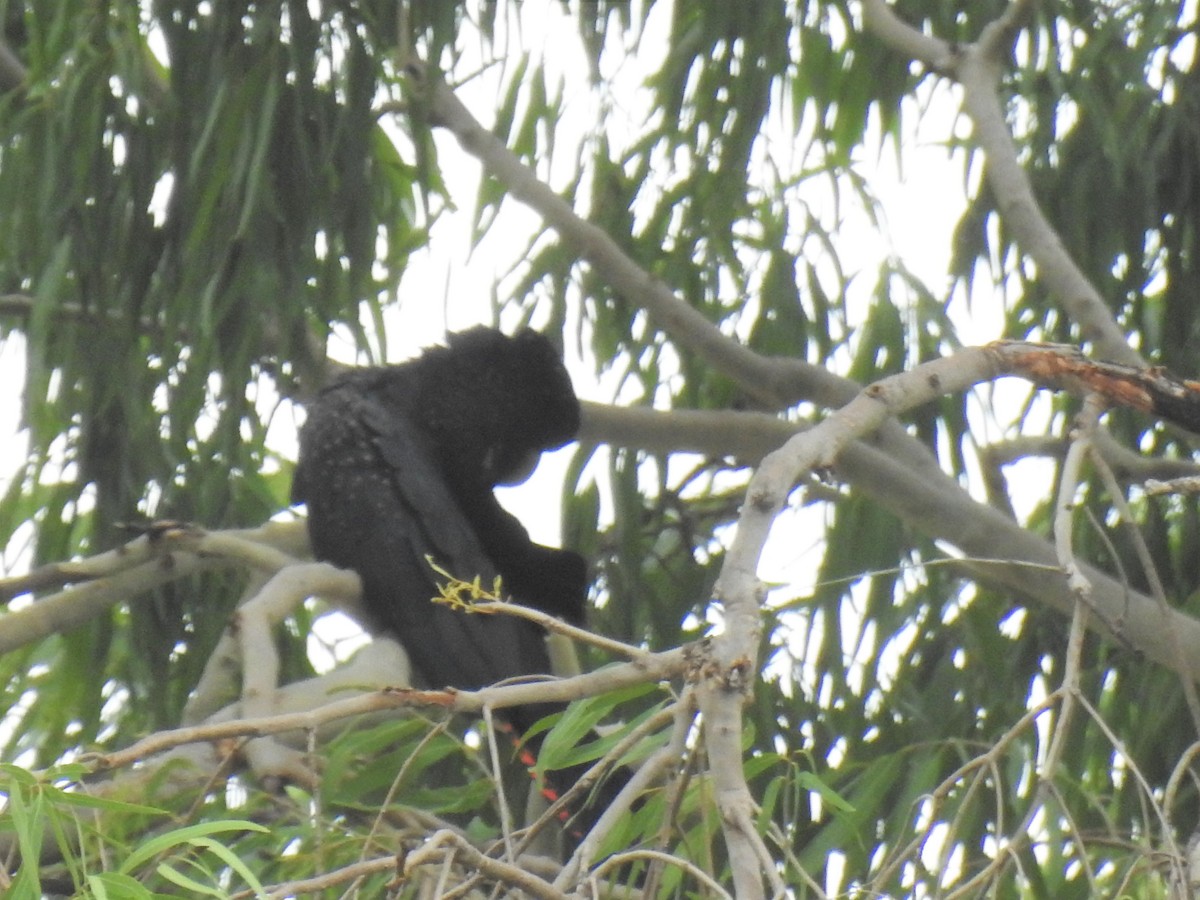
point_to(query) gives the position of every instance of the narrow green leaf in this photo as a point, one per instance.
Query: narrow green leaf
(186, 835)
(173, 875)
(232, 860)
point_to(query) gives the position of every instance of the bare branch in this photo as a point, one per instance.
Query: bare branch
(251, 629)
(268, 547)
(721, 707)
(71, 608)
(652, 667)
(769, 381)
(448, 845)
(1126, 464)
(903, 38)
(326, 880)
(997, 549)
(135, 569)
(1065, 505)
(620, 859)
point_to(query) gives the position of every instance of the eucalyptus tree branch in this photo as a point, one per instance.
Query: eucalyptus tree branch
(327, 880)
(773, 382)
(70, 608)
(250, 630)
(996, 548)
(722, 705)
(1126, 464)
(446, 845)
(1064, 507)
(978, 67)
(934, 52)
(380, 665)
(721, 697)
(653, 667)
(268, 546)
(167, 552)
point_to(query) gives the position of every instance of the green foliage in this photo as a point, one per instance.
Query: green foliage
(114, 848)
(191, 857)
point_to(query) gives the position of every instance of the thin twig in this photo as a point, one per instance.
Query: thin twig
(1153, 581)
(439, 845)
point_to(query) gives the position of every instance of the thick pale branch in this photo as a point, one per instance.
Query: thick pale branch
(71, 608)
(168, 553)
(998, 550)
(252, 627)
(771, 381)
(653, 667)
(720, 706)
(741, 592)
(1127, 464)
(820, 448)
(267, 547)
(903, 38)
